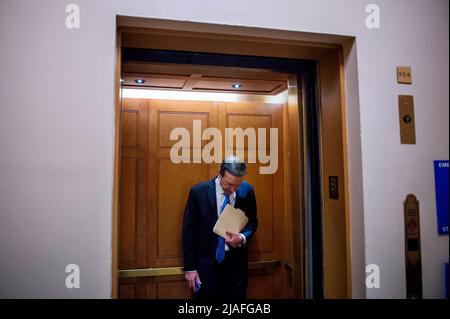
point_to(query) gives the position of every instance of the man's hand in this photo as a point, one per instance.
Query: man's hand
(234, 239)
(192, 277)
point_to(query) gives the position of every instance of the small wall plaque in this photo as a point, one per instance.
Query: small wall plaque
(404, 75)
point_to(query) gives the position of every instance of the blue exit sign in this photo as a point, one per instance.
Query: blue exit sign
(441, 181)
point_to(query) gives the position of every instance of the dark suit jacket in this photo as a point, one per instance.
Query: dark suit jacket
(200, 216)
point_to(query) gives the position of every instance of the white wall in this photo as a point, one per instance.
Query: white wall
(56, 125)
(56, 141)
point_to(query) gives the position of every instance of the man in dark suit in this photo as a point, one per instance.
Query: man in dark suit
(214, 267)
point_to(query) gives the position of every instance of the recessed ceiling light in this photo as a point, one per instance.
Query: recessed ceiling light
(236, 85)
(139, 81)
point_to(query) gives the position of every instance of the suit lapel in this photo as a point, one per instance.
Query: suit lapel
(212, 196)
(238, 198)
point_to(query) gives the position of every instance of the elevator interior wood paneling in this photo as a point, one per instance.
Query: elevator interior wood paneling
(153, 193)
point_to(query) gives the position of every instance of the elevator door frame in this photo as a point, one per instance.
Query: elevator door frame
(320, 95)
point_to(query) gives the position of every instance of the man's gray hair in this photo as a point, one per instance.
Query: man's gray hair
(233, 165)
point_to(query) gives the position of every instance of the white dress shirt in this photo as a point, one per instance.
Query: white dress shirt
(220, 198)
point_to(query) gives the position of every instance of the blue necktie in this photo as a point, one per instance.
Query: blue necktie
(220, 251)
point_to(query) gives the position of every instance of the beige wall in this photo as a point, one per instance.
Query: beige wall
(56, 122)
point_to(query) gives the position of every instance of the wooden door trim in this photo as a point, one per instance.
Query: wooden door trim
(115, 197)
(346, 174)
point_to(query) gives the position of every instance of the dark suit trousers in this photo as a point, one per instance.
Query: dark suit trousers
(228, 280)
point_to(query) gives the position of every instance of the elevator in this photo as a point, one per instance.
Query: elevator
(162, 90)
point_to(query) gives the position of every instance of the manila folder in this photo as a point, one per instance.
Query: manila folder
(231, 219)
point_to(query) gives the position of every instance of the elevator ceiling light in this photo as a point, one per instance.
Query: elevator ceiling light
(143, 93)
(236, 85)
(139, 81)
